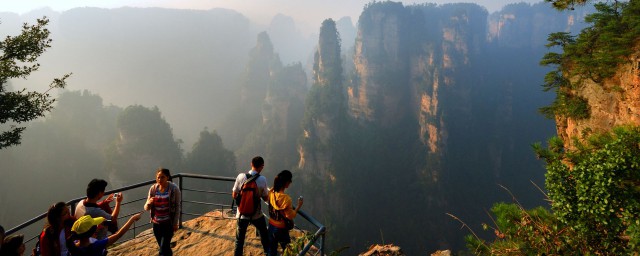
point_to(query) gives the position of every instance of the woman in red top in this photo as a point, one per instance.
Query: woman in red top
(164, 204)
(280, 207)
(58, 227)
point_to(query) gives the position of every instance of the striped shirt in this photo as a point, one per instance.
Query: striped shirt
(162, 209)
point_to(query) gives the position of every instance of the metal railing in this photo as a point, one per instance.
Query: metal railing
(317, 237)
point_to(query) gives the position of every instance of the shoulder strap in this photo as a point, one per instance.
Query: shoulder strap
(251, 178)
(172, 197)
(152, 193)
(153, 189)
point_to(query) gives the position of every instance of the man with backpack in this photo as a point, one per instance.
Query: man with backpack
(247, 191)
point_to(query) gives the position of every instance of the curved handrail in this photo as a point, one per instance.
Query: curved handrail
(319, 234)
(74, 201)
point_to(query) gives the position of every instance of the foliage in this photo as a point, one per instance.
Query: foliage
(522, 232)
(594, 54)
(18, 60)
(69, 142)
(595, 200)
(209, 156)
(298, 244)
(566, 4)
(594, 189)
(145, 142)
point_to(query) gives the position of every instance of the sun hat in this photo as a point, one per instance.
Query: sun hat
(85, 223)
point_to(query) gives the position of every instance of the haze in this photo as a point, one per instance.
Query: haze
(426, 107)
(308, 13)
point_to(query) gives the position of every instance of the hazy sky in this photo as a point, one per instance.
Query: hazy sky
(311, 12)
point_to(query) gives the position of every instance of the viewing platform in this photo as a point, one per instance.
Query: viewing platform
(209, 232)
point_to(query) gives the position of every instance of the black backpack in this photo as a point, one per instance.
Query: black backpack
(279, 216)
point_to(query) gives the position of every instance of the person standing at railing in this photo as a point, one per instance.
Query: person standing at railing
(164, 203)
(90, 206)
(54, 236)
(257, 219)
(281, 212)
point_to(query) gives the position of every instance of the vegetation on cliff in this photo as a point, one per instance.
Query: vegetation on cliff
(594, 199)
(594, 186)
(594, 54)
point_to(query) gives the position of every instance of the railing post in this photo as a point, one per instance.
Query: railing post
(320, 234)
(322, 245)
(181, 196)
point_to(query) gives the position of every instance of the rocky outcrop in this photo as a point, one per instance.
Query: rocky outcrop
(210, 234)
(383, 250)
(394, 250)
(614, 102)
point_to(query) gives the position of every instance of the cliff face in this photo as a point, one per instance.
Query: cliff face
(405, 59)
(380, 64)
(436, 105)
(524, 26)
(613, 103)
(325, 105)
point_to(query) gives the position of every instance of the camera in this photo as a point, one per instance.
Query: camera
(116, 195)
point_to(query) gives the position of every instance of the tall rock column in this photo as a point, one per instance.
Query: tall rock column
(380, 91)
(325, 105)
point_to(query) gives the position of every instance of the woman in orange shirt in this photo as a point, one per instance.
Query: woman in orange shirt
(280, 207)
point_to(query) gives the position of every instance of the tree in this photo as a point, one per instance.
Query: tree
(18, 56)
(594, 193)
(145, 142)
(209, 156)
(594, 189)
(594, 54)
(567, 4)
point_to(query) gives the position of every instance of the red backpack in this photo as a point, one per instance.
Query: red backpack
(248, 199)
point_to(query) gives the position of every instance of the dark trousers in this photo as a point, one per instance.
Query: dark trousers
(241, 232)
(163, 233)
(277, 236)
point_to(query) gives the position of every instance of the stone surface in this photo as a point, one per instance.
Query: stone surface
(613, 103)
(210, 234)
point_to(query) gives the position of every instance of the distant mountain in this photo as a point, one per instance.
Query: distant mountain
(440, 107)
(186, 62)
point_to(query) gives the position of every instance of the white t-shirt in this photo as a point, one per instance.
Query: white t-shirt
(261, 182)
(94, 212)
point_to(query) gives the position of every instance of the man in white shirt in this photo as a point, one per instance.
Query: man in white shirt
(257, 219)
(89, 206)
